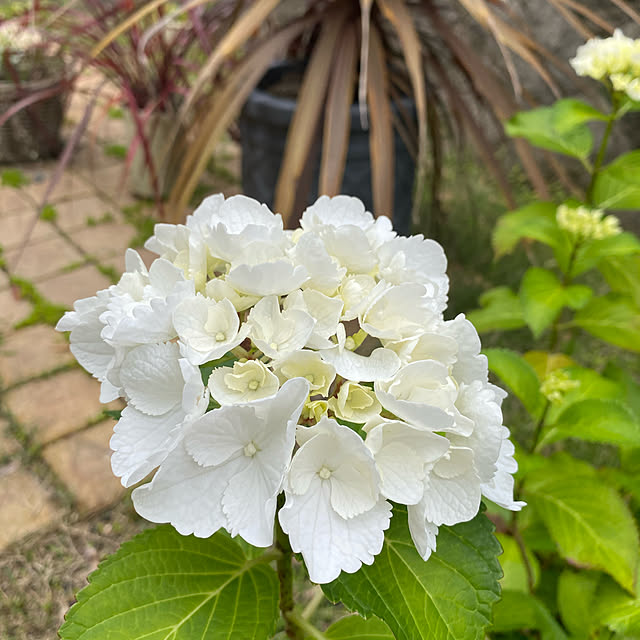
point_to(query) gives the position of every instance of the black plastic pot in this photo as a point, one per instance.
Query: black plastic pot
(264, 122)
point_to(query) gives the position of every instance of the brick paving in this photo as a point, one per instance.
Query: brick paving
(54, 437)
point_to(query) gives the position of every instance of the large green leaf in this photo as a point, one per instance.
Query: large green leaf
(519, 376)
(613, 318)
(517, 610)
(164, 586)
(543, 128)
(448, 597)
(501, 310)
(543, 297)
(596, 420)
(356, 628)
(617, 186)
(536, 221)
(591, 525)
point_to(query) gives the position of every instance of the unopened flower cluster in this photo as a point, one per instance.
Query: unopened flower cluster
(616, 58)
(314, 362)
(586, 224)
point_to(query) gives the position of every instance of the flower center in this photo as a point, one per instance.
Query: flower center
(350, 344)
(253, 385)
(250, 450)
(220, 337)
(324, 473)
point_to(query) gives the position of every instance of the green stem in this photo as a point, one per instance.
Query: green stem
(600, 157)
(285, 578)
(538, 429)
(305, 626)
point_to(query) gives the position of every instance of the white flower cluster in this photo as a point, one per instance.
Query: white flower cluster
(587, 224)
(616, 58)
(317, 361)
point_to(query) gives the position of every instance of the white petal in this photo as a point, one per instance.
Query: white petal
(500, 488)
(269, 278)
(453, 500)
(423, 532)
(329, 543)
(382, 364)
(152, 378)
(185, 494)
(141, 442)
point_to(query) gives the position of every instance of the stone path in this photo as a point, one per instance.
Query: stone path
(54, 435)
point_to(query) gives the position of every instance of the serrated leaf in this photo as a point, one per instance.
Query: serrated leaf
(448, 597)
(519, 376)
(613, 318)
(517, 610)
(356, 628)
(617, 186)
(540, 128)
(596, 420)
(615, 609)
(576, 595)
(589, 522)
(543, 297)
(536, 221)
(501, 310)
(164, 586)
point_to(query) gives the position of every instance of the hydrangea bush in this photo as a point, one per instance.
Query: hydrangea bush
(304, 385)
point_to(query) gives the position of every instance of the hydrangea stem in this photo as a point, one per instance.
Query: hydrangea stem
(285, 577)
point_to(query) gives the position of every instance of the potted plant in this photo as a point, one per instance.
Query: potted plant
(33, 89)
(384, 48)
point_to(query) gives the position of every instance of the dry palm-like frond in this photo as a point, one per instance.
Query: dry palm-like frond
(405, 46)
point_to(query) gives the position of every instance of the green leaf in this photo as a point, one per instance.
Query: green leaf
(13, 178)
(630, 388)
(519, 376)
(617, 186)
(164, 586)
(448, 597)
(515, 573)
(536, 221)
(613, 318)
(501, 310)
(596, 420)
(543, 128)
(543, 297)
(49, 213)
(227, 360)
(588, 520)
(596, 251)
(570, 112)
(577, 295)
(615, 609)
(517, 610)
(356, 628)
(576, 599)
(623, 275)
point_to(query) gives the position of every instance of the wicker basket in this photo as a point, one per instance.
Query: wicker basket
(33, 133)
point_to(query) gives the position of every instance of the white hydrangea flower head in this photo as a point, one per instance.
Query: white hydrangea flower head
(315, 362)
(616, 59)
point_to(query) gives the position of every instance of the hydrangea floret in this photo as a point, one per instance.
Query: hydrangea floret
(317, 362)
